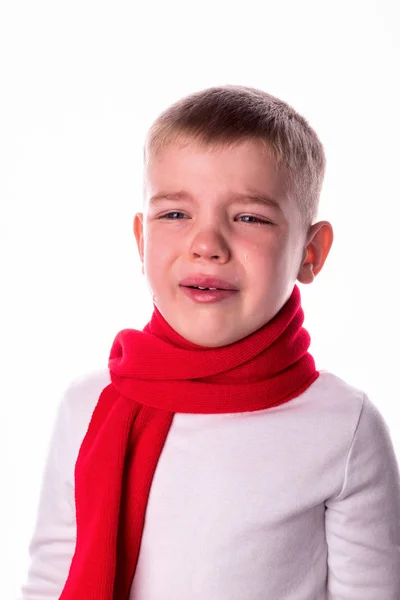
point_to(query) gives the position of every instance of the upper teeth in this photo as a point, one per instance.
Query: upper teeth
(205, 288)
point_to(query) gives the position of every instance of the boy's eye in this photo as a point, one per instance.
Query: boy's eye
(254, 219)
(167, 216)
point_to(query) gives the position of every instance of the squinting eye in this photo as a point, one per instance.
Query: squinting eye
(255, 220)
(167, 216)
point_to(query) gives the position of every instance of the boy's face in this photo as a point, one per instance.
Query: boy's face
(212, 230)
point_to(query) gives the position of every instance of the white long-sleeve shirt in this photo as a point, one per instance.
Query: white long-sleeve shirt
(296, 502)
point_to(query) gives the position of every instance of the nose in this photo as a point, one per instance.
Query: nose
(209, 245)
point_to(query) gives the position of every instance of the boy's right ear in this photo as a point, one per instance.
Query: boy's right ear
(138, 231)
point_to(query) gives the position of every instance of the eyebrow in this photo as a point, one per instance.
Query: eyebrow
(250, 198)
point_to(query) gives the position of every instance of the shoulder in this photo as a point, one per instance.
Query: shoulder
(83, 387)
(332, 386)
(81, 394)
(351, 430)
(346, 397)
(329, 394)
(347, 406)
(78, 403)
(333, 408)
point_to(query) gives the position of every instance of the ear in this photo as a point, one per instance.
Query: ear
(318, 244)
(138, 231)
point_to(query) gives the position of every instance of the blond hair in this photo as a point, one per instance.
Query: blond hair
(229, 114)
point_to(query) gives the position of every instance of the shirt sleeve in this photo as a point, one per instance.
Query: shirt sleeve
(363, 521)
(53, 542)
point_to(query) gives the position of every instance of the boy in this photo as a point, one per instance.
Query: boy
(217, 463)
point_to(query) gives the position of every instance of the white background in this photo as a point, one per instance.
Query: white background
(80, 83)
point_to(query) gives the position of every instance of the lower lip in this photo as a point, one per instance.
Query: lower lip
(207, 295)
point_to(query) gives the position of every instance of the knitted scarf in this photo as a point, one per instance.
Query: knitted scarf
(154, 374)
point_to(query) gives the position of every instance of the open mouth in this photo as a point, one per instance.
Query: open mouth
(197, 287)
(198, 293)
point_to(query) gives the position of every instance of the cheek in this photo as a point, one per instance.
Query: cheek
(267, 255)
(157, 259)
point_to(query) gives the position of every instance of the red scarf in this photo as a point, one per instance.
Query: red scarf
(156, 373)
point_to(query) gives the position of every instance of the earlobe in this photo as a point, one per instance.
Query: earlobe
(319, 243)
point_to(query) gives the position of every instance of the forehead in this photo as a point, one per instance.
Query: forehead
(215, 170)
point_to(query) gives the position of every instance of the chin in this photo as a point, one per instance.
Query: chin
(211, 340)
(204, 336)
